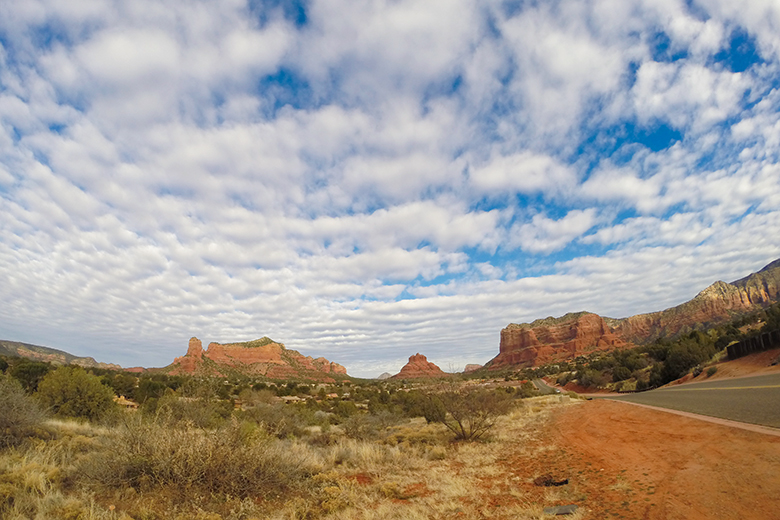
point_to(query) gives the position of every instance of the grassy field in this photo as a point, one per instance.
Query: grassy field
(164, 468)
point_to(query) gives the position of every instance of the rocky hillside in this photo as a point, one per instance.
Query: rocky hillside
(554, 339)
(716, 304)
(419, 367)
(558, 339)
(50, 355)
(263, 357)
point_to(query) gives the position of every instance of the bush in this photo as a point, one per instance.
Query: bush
(237, 459)
(281, 420)
(471, 414)
(620, 373)
(203, 412)
(72, 392)
(20, 415)
(712, 371)
(29, 373)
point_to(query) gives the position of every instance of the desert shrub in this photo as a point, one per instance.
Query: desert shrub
(592, 378)
(712, 371)
(367, 426)
(280, 420)
(20, 415)
(620, 373)
(29, 373)
(526, 390)
(344, 409)
(203, 413)
(148, 388)
(237, 459)
(72, 392)
(470, 414)
(121, 383)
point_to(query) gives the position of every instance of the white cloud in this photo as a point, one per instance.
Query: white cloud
(524, 172)
(393, 190)
(545, 235)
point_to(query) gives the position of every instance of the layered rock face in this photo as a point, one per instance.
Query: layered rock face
(554, 339)
(717, 303)
(558, 339)
(259, 357)
(419, 367)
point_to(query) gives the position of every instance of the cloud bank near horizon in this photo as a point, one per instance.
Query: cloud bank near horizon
(368, 180)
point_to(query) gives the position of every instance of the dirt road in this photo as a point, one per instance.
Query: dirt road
(624, 461)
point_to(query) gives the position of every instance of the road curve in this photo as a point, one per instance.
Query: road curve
(754, 400)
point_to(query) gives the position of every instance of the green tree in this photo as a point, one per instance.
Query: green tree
(29, 373)
(72, 392)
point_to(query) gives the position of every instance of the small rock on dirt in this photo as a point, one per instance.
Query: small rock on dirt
(561, 510)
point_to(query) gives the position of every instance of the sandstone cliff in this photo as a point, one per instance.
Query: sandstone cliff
(716, 304)
(263, 357)
(558, 339)
(554, 339)
(419, 367)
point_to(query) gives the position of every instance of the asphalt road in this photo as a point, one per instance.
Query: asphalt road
(754, 400)
(544, 388)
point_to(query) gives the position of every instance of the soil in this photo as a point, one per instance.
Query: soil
(756, 364)
(624, 461)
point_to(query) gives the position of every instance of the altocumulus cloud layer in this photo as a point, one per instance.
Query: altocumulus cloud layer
(366, 180)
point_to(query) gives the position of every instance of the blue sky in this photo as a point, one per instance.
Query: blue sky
(368, 180)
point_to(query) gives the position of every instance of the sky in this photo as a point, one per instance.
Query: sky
(366, 180)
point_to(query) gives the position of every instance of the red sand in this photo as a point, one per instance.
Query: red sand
(624, 461)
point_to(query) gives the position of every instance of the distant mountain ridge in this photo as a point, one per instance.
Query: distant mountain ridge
(50, 355)
(558, 339)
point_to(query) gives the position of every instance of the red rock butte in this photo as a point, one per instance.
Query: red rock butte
(263, 357)
(419, 367)
(554, 339)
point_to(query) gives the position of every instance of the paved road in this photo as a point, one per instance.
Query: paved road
(544, 388)
(754, 400)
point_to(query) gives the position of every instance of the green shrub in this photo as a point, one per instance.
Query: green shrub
(20, 415)
(72, 392)
(620, 373)
(712, 371)
(281, 420)
(237, 460)
(203, 413)
(29, 373)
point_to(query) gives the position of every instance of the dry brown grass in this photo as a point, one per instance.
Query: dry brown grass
(150, 471)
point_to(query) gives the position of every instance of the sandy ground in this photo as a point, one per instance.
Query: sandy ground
(625, 461)
(752, 365)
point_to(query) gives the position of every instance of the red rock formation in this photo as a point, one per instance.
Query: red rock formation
(471, 368)
(551, 339)
(717, 303)
(259, 357)
(554, 339)
(419, 367)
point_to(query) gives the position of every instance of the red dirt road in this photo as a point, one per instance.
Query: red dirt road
(629, 462)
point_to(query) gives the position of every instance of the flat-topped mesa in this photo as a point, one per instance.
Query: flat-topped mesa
(419, 367)
(262, 356)
(554, 339)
